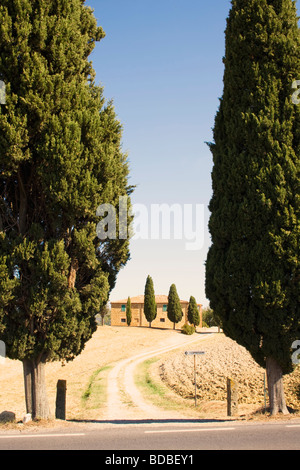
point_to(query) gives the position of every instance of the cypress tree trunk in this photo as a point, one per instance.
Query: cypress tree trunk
(275, 387)
(35, 388)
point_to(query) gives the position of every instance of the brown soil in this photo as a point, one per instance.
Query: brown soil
(110, 345)
(223, 358)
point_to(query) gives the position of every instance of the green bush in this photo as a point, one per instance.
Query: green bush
(188, 329)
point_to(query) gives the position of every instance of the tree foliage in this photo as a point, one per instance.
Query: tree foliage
(210, 318)
(174, 311)
(128, 312)
(193, 312)
(252, 272)
(150, 307)
(60, 158)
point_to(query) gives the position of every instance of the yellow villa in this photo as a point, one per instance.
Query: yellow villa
(118, 313)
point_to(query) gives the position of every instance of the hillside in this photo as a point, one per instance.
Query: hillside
(223, 358)
(87, 375)
(107, 346)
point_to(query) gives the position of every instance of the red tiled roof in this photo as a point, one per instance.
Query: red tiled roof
(139, 299)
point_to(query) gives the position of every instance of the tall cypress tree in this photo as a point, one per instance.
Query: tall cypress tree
(174, 311)
(150, 308)
(252, 271)
(60, 158)
(193, 312)
(128, 312)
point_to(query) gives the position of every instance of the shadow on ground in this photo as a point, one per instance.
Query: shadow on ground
(148, 421)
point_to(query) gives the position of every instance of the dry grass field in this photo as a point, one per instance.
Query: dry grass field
(86, 375)
(108, 345)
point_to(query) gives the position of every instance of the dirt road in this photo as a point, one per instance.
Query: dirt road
(120, 347)
(124, 399)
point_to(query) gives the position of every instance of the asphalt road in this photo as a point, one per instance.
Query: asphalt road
(155, 436)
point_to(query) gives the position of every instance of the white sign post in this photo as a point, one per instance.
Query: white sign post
(195, 353)
(2, 352)
(2, 92)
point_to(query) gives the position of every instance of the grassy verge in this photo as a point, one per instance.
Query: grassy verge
(154, 391)
(157, 393)
(95, 394)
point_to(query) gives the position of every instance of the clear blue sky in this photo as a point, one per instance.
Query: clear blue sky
(161, 63)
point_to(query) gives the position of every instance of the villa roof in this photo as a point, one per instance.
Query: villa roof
(139, 299)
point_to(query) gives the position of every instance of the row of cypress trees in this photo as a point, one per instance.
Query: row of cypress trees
(174, 311)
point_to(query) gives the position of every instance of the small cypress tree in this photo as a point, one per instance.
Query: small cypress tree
(193, 312)
(174, 311)
(128, 312)
(150, 307)
(252, 268)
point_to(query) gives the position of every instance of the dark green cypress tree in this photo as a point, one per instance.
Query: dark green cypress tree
(128, 312)
(150, 308)
(174, 311)
(60, 158)
(252, 270)
(193, 312)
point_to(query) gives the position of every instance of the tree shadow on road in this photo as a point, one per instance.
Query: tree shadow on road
(150, 421)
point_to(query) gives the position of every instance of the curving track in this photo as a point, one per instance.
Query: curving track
(124, 400)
